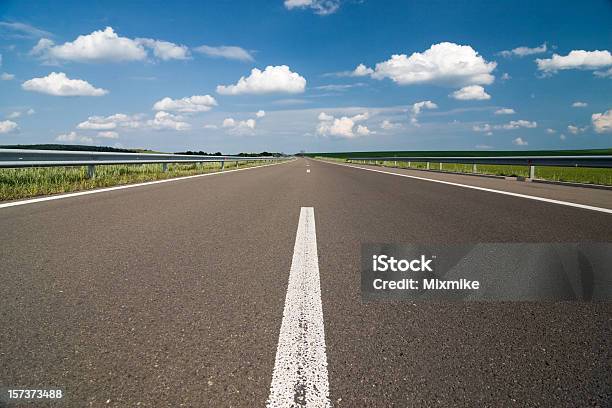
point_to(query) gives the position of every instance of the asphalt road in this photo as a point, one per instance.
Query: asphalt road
(173, 294)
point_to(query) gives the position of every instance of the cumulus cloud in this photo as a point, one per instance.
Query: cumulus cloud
(443, 64)
(107, 46)
(192, 104)
(576, 59)
(513, 124)
(239, 127)
(574, 130)
(505, 111)
(520, 142)
(164, 120)
(388, 125)
(416, 109)
(603, 74)
(523, 51)
(118, 120)
(17, 114)
(602, 122)
(5, 76)
(100, 45)
(362, 70)
(73, 137)
(108, 134)
(505, 76)
(471, 92)
(579, 104)
(343, 127)
(57, 83)
(271, 80)
(321, 7)
(551, 131)
(260, 114)
(7, 126)
(225, 51)
(165, 50)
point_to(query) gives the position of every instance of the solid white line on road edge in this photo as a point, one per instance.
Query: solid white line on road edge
(490, 190)
(103, 190)
(300, 369)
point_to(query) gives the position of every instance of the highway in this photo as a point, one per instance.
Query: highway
(172, 294)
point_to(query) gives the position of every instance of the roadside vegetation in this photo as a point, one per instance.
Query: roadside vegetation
(601, 176)
(31, 182)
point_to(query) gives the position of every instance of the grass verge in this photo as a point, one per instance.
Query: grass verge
(31, 182)
(586, 175)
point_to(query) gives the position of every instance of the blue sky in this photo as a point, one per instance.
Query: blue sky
(314, 75)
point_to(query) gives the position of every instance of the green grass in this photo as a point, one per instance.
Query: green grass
(31, 182)
(600, 176)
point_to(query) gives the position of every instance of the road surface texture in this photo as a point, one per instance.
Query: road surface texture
(172, 294)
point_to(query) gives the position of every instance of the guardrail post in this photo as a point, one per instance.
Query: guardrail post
(532, 172)
(474, 168)
(440, 166)
(395, 163)
(222, 164)
(409, 164)
(91, 171)
(165, 167)
(427, 165)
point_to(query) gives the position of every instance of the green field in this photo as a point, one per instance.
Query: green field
(31, 182)
(601, 176)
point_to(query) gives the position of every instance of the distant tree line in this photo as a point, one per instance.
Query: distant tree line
(202, 153)
(79, 148)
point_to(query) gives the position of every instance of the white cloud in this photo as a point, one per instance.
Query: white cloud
(73, 137)
(5, 76)
(361, 70)
(562, 136)
(520, 142)
(272, 79)
(24, 30)
(225, 51)
(419, 106)
(388, 125)
(343, 127)
(443, 64)
(515, 124)
(7, 126)
(165, 50)
(579, 104)
(118, 120)
(603, 74)
(164, 120)
(321, 7)
(339, 87)
(551, 131)
(523, 51)
(57, 83)
(505, 111)
(602, 122)
(482, 128)
(483, 146)
(98, 46)
(108, 134)
(239, 127)
(505, 76)
(192, 104)
(576, 59)
(471, 92)
(574, 130)
(13, 115)
(260, 114)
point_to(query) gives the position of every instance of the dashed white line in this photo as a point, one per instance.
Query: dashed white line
(103, 190)
(300, 370)
(490, 190)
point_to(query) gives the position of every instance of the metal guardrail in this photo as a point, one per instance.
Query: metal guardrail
(17, 158)
(601, 161)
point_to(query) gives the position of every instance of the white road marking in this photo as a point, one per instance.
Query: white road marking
(103, 190)
(490, 190)
(300, 371)
(307, 170)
